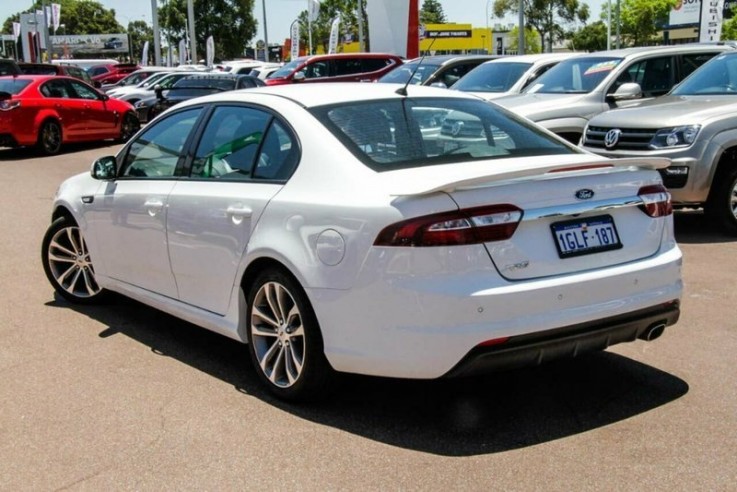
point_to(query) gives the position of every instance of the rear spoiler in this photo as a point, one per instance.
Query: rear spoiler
(447, 178)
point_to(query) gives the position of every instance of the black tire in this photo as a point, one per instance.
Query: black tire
(129, 127)
(287, 352)
(49, 138)
(722, 204)
(67, 264)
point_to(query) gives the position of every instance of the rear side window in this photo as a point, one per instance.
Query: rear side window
(13, 86)
(402, 133)
(57, 88)
(348, 66)
(692, 61)
(375, 64)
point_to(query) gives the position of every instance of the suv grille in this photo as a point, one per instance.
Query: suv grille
(629, 139)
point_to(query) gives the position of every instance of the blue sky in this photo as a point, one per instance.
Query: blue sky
(281, 13)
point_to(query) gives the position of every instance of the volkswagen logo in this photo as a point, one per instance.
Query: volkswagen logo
(584, 194)
(612, 137)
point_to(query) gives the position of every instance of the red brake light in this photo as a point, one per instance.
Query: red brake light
(656, 201)
(9, 104)
(468, 226)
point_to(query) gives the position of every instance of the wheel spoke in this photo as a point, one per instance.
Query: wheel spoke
(264, 362)
(263, 316)
(73, 283)
(56, 245)
(72, 240)
(270, 293)
(278, 363)
(294, 363)
(63, 276)
(89, 281)
(61, 259)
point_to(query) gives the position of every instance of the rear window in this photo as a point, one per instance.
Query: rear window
(492, 77)
(401, 133)
(575, 76)
(225, 84)
(418, 72)
(13, 86)
(38, 70)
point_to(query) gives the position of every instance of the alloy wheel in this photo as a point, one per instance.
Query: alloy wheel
(69, 263)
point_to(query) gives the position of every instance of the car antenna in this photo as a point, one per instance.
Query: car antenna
(402, 91)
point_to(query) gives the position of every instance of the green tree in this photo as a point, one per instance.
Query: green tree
(532, 41)
(729, 26)
(547, 17)
(642, 19)
(432, 13)
(591, 37)
(229, 22)
(78, 17)
(139, 32)
(329, 9)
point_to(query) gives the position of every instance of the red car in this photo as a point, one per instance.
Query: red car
(49, 111)
(110, 74)
(341, 67)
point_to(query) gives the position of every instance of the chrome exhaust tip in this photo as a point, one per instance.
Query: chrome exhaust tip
(652, 332)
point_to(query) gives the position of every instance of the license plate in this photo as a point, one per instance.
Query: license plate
(585, 236)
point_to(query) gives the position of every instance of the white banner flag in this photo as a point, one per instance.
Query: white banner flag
(313, 9)
(48, 15)
(210, 46)
(16, 29)
(56, 15)
(333, 43)
(144, 55)
(182, 52)
(294, 32)
(711, 21)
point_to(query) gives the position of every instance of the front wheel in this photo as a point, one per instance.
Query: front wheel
(67, 264)
(129, 127)
(284, 339)
(722, 204)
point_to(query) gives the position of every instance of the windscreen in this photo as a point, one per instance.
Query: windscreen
(575, 76)
(715, 77)
(419, 72)
(400, 133)
(492, 77)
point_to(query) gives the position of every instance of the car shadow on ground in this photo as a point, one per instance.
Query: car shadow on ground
(693, 227)
(460, 417)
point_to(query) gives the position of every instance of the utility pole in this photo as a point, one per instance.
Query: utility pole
(157, 36)
(361, 43)
(618, 22)
(609, 25)
(266, 33)
(521, 37)
(192, 43)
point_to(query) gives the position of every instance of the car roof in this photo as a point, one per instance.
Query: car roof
(534, 58)
(648, 50)
(445, 59)
(312, 95)
(348, 55)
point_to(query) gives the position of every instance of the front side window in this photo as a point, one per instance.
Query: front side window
(575, 76)
(230, 142)
(401, 133)
(84, 92)
(156, 152)
(317, 69)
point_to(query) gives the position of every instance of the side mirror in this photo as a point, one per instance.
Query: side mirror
(104, 168)
(159, 91)
(298, 77)
(626, 92)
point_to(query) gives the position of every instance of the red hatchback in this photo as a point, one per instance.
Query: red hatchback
(341, 67)
(48, 111)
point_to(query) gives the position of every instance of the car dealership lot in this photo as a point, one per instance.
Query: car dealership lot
(124, 396)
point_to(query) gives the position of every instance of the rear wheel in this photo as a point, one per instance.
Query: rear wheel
(284, 339)
(129, 127)
(49, 138)
(67, 264)
(722, 204)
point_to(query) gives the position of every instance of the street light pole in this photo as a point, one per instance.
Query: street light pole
(521, 34)
(266, 33)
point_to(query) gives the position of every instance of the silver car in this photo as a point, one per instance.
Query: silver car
(568, 95)
(696, 127)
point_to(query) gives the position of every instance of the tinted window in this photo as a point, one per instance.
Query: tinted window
(347, 66)
(155, 153)
(692, 61)
(278, 156)
(317, 69)
(374, 64)
(84, 92)
(229, 143)
(56, 88)
(94, 71)
(418, 72)
(655, 76)
(492, 77)
(38, 69)
(575, 76)
(396, 134)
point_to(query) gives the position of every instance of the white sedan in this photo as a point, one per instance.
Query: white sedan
(372, 229)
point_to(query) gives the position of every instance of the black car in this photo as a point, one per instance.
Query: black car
(9, 67)
(51, 69)
(190, 87)
(439, 71)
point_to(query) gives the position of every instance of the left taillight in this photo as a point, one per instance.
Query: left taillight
(467, 226)
(656, 201)
(9, 104)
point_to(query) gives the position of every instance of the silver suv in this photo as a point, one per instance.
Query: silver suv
(696, 127)
(568, 95)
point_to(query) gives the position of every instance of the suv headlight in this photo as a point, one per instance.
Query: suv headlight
(680, 136)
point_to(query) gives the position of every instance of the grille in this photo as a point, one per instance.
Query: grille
(630, 139)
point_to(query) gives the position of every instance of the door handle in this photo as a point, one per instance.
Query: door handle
(238, 212)
(154, 206)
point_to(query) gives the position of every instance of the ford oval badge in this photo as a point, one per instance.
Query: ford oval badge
(585, 194)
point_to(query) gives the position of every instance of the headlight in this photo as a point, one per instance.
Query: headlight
(140, 104)
(680, 136)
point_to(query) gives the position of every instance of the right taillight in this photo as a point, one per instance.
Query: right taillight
(656, 201)
(467, 226)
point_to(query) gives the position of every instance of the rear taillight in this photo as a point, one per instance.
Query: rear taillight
(9, 104)
(468, 226)
(656, 201)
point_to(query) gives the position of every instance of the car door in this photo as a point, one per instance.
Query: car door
(128, 215)
(99, 122)
(58, 96)
(242, 160)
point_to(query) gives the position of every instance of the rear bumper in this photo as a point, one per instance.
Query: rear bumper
(571, 341)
